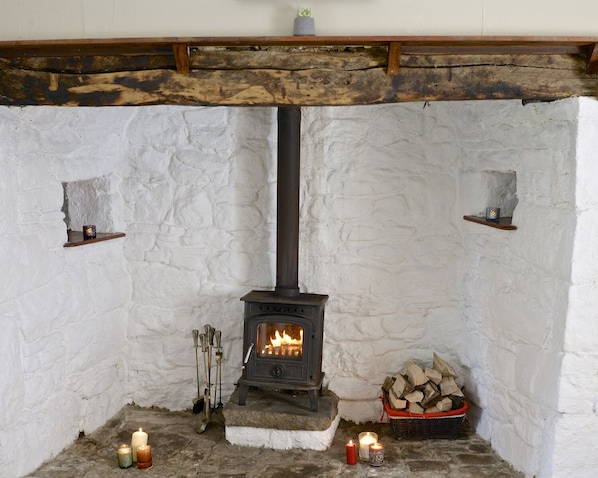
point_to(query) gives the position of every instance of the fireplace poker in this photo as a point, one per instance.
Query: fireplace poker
(209, 332)
(204, 349)
(198, 402)
(218, 338)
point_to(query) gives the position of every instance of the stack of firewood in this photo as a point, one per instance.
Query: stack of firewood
(424, 390)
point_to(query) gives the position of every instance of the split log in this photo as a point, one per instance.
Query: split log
(434, 375)
(444, 405)
(396, 402)
(443, 367)
(424, 390)
(415, 396)
(448, 386)
(431, 392)
(415, 374)
(401, 386)
(416, 408)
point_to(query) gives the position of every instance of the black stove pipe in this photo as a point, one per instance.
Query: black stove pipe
(287, 228)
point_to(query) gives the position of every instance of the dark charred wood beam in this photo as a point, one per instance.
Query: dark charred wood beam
(278, 71)
(419, 79)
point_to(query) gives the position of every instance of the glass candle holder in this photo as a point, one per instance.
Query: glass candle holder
(376, 454)
(125, 456)
(144, 457)
(89, 232)
(493, 214)
(365, 440)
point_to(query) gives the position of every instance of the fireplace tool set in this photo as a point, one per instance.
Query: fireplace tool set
(210, 342)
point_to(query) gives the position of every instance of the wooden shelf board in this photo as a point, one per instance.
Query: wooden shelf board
(409, 44)
(505, 222)
(75, 238)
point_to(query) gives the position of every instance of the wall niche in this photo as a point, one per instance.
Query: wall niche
(88, 202)
(497, 189)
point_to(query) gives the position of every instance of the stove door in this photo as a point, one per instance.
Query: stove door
(281, 343)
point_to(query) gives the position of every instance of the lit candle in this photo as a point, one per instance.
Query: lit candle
(365, 440)
(125, 456)
(144, 457)
(351, 449)
(376, 454)
(89, 232)
(139, 438)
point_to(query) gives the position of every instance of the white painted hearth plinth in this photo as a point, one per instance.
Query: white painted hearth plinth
(281, 421)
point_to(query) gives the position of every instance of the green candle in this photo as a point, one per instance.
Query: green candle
(125, 456)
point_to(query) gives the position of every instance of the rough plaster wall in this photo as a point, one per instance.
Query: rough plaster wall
(576, 421)
(200, 194)
(62, 311)
(195, 193)
(376, 240)
(515, 284)
(197, 186)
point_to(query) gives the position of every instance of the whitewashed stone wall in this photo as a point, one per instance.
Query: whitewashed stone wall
(384, 190)
(62, 311)
(515, 284)
(575, 421)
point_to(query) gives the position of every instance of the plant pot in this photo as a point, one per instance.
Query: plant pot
(304, 26)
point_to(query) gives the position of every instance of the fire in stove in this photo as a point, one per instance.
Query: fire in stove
(280, 340)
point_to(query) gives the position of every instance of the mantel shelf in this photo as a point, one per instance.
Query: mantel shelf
(504, 224)
(75, 238)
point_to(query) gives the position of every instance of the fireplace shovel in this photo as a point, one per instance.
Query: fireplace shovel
(198, 402)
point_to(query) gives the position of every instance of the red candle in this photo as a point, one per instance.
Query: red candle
(144, 457)
(351, 449)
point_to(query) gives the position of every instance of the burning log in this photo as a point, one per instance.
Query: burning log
(424, 390)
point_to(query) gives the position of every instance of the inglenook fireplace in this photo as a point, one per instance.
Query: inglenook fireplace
(283, 329)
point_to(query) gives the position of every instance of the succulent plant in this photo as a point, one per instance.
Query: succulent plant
(304, 12)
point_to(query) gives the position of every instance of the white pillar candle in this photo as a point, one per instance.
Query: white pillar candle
(138, 439)
(365, 440)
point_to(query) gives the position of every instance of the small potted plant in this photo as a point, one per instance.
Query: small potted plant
(304, 24)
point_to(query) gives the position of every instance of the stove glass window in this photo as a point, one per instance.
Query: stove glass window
(277, 339)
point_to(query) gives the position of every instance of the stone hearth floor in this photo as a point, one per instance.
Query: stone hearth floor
(180, 452)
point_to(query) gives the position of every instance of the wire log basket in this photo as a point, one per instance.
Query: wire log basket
(414, 426)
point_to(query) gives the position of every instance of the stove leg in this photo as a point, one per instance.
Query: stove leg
(313, 400)
(243, 389)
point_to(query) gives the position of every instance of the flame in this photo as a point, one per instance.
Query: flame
(284, 345)
(285, 339)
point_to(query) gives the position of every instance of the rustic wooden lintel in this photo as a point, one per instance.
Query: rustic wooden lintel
(181, 57)
(592, 62)
(394, 58)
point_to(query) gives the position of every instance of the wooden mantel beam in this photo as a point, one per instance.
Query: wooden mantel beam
(297, 70)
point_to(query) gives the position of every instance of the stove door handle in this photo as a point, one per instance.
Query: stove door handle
(248, 354)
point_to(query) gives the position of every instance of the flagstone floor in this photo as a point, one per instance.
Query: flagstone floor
(180, 452)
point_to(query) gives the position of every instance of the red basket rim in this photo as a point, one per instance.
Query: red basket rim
(397, 413)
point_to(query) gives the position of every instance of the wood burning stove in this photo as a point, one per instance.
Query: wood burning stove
(283, 329)
(283, 339)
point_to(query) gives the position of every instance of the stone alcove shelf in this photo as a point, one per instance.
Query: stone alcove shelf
(505, 222)
(75, 238)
